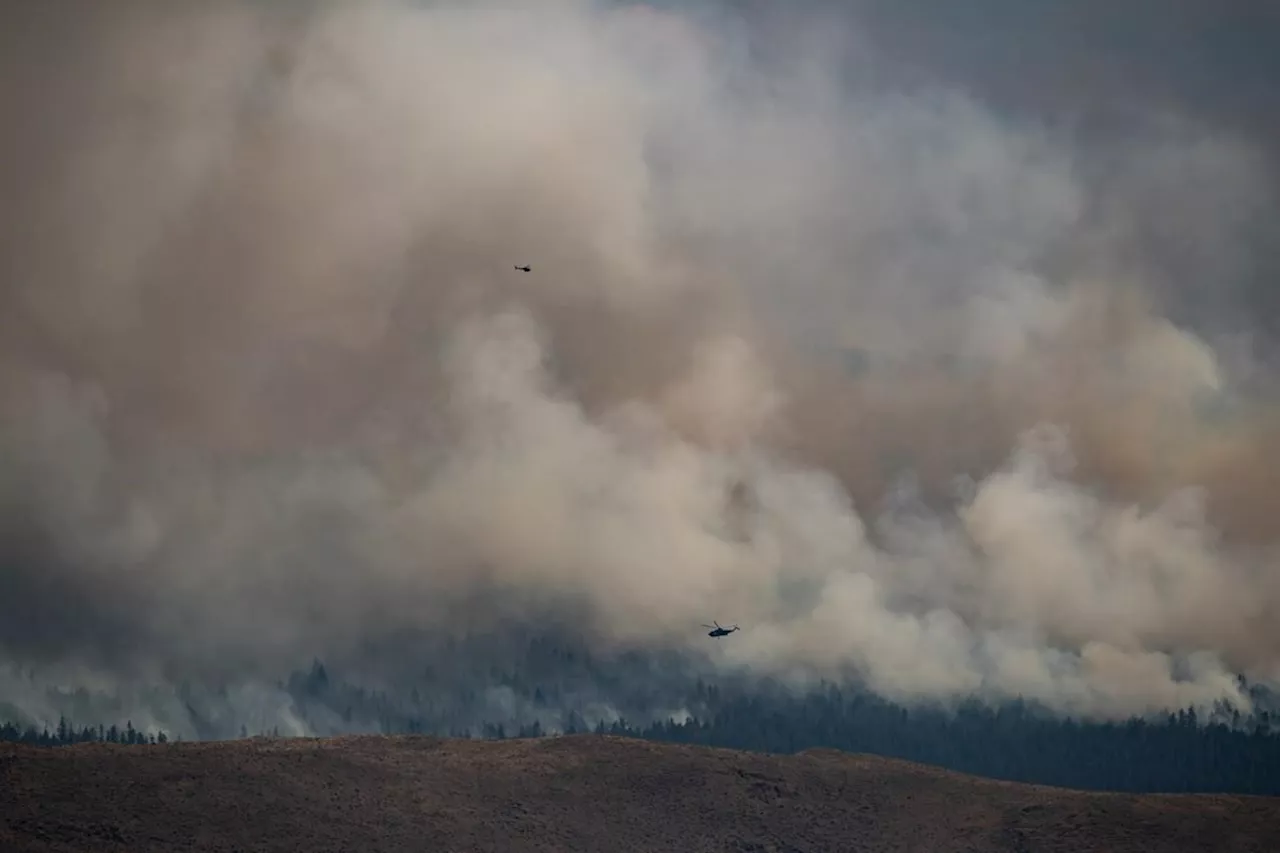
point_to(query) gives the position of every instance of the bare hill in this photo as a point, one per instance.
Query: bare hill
(573, 793)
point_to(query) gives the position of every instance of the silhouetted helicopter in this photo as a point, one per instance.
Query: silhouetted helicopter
(526, 268)
(719, 632)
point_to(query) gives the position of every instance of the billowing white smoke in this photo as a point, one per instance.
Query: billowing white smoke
(271, 388)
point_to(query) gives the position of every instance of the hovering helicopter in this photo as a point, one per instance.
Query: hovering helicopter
(524, 268)
(718, 631)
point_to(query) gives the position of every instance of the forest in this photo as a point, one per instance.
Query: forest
(66, 735)
(1181, 752)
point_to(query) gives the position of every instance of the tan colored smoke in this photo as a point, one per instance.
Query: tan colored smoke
(270, 382)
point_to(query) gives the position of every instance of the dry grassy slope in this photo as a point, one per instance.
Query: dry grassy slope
(574, 793)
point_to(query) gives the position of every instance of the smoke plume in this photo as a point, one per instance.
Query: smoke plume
(937, 386)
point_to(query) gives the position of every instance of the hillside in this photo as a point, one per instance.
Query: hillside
(570, 793)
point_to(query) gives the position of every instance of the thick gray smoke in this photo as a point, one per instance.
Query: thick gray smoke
(911, 385)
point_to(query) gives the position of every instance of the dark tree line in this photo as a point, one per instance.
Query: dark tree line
(66, 734)
(1177, 754)
(548, 688)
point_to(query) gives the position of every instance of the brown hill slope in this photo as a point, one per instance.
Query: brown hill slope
(573, 793)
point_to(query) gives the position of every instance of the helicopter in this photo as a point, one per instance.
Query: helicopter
(524, 268)
(719, 631)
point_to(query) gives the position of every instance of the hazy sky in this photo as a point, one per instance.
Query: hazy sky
(270, 386)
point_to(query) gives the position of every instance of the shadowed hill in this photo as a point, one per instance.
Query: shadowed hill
(570, 793)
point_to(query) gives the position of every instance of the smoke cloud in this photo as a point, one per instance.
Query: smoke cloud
(911, 383)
